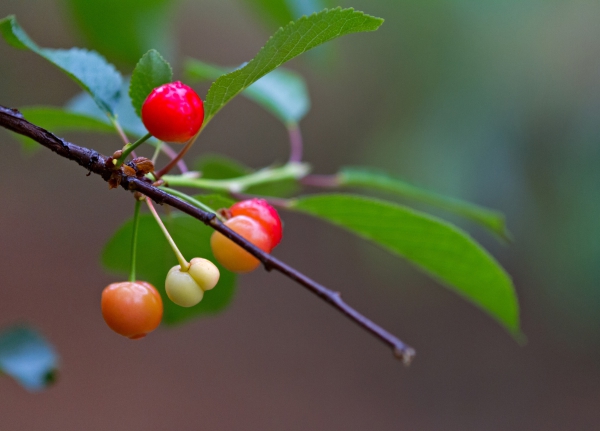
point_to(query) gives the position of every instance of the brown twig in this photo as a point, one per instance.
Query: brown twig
(91, 160)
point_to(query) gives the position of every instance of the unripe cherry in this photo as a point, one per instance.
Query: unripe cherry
(262, 212)
(231, 255)
(173, 112)
(132, 308)
(186, 288)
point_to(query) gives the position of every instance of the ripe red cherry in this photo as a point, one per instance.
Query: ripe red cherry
(173, 112)
(132, 309)
(231, 255)
(262, 212)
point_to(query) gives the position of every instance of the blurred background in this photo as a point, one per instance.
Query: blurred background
(496, 102)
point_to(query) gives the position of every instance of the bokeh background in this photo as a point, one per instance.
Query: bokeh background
(497, 102)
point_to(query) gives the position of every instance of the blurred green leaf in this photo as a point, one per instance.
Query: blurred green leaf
(151, 71)
(155, 258)
(124, 112)
(28, 358)
(440, 249)
(87, 68)
(82, 114)
(125, 29)
(287, 43)
(216, 202)
(58, 120)
(375, 180)
(281, 92)
(218, 167)
(281, 12)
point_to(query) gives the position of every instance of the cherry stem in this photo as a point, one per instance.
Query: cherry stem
(136, 224)
(119, 129)
(184, 264)
(128, 149)
(177, 158)
(296, 145)
(193, 201)
(171, 154)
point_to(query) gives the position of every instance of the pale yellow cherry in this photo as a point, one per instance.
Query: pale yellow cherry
(186, 288)
(204, 272)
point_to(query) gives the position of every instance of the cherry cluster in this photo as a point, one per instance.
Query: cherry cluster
(174, 113)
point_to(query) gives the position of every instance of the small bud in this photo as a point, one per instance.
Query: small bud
(128, 170)
(117, 154)
(143, 165)
(114, 180)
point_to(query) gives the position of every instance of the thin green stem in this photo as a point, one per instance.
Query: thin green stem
(238, 185)
(157, 151)
(192, 201)
(129, 148)
(184, 264)
(119, 129)
(136, 224)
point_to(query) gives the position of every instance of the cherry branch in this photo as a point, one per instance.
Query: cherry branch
(95, 162)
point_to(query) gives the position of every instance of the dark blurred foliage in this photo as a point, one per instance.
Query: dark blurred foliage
(497, 102)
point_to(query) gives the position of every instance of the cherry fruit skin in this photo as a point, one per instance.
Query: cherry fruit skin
(132, 309)
(231, 255)
(173, 112)
(186, 288)
(262, 212)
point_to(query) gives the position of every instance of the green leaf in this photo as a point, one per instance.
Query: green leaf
(281, 12)
(28, 358)
(124, 112)
(125, 29)
(289, 42)
(151, 71)
(58, 120)
(281, 92)
(82, 114)
(216, 202)
(155, 258)
(375, 180)
(87, 68)
(438, 248)
(218, 167)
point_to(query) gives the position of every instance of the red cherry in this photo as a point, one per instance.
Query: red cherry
(232, 256)
(173, 112)
(262, 212)
(132, 309)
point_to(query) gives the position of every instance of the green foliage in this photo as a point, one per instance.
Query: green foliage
(281, 92)
(216, 202)
(124, 112)
(155, 258)
(218, 167)
(125, 29)
(438, 248)
(289, 42)
(281, 12)
(87, 68)
(375, 180)
(28, 358)
(151, 71)
(57, 120)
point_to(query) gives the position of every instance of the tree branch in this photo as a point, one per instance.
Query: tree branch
(92, 161)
